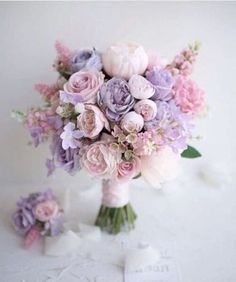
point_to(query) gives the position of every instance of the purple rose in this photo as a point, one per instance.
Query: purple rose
(87, 59)
(115, 98)
(68, 159)
(163, 81)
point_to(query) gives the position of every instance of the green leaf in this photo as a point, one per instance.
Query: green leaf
(190, 153)
(137, 176)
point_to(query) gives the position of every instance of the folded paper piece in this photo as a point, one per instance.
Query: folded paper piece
(140, 257)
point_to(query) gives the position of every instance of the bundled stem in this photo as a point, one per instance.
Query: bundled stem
(114, 220)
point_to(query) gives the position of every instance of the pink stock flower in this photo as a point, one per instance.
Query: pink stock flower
(99, 160)
(146, 108)
(46, 210)
(128, 169)
(92, 121)
(132, 122)
(188, 96)
(82, 86)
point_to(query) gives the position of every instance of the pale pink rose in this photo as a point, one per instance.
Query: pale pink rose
(156, 60)
(128, 169)
(125, 59)
(99, 160)
(146, 108)
(188, 96)
(82, 85)
(92, 121)
(132, 122)
(45, 211)
(140, 87)
(160, 167)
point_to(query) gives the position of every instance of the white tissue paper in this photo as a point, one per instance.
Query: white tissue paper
(89, 232)
(66, 244)
(141, 257)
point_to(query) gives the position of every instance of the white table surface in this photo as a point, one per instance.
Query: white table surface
(197, 219)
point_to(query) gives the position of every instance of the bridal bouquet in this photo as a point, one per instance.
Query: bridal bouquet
(119, 115)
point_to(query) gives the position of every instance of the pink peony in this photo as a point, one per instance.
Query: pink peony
(92, 121)
(132, 122)
(160, 167)
(146, 108)
(99, 160)
(125, 59)
(140, 87)
(46, 211)
(82, 86)
(188, 96)
(128, 169)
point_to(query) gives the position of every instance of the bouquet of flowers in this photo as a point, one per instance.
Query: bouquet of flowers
(38, 214)
(120, 114)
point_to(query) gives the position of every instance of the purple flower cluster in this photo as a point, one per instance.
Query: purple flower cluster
(171, 125)
(162, 80)
(24, 218)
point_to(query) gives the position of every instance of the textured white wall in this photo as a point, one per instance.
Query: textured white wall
(28, 32)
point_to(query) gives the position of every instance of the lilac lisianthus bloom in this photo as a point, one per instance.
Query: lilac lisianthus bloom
(115, 98)
(68, 159)
(162, 80)
(171, 125)
(70, 136)
(86, 59)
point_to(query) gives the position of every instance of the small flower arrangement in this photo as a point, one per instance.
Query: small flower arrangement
(119, 115)
(38, 215)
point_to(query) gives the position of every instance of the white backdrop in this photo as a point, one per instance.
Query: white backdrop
(28, 31)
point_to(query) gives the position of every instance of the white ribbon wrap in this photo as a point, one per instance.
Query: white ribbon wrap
(115, 193)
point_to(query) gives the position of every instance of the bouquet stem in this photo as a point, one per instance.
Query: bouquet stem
(114, 220)
(116, 213)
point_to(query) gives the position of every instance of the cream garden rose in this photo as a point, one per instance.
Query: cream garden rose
(146, 108)
(92, 121)
(125, 59)
(99, 160)
(82, 86)
(132, 122)
(140, 87)
(46, 210)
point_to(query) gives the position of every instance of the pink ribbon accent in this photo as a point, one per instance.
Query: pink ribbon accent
(32, 236)
(115, 193)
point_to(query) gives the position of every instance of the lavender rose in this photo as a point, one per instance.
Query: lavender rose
(163, 81)
(115, 98)
(86, 59)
